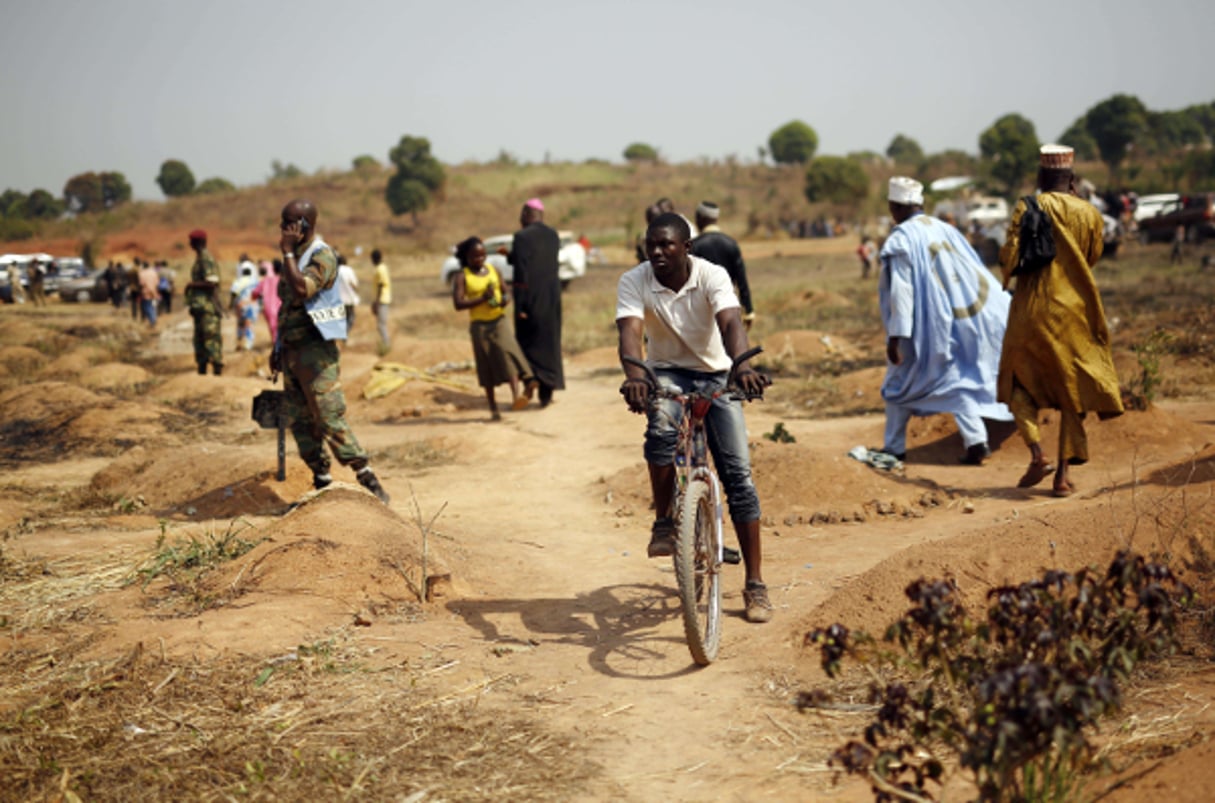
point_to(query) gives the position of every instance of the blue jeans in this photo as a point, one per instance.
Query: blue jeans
(727, 436)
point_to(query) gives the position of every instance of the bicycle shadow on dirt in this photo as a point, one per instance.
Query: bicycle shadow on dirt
(629, 630)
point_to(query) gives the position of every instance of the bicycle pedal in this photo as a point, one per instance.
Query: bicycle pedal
(731, 556)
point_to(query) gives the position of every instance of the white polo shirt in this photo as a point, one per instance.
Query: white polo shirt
(681, 327)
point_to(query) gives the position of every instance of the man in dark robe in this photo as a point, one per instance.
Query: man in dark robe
(537, 287)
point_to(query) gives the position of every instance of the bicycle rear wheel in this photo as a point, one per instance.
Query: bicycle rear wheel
(698, 572)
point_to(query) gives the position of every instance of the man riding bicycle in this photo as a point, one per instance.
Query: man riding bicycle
(685, 309)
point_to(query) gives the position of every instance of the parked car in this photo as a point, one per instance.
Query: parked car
(89, 287)
(987, 211)
(1195, 213)
(1151, 205)
(571, 259)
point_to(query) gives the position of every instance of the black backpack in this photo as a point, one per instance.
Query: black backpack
(1037, 243)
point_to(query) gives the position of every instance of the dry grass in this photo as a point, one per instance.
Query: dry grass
(317, 723)
(327, 720)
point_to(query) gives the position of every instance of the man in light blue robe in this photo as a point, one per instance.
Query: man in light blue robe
(944, 314)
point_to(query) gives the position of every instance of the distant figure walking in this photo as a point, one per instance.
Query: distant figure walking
(149, 292)
(479, 288)
(534, 255)
(266, 292)
(202, 299)
(36, 276)
(717, 247)
(244, 304)
(1176, 255)
(867, 252)
(348, 289)
(1057, 346)
(382, 304)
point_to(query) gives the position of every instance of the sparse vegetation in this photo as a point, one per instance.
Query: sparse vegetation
(185, 561)
(1009, 698)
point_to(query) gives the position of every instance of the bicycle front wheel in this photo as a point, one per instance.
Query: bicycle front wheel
(698, 571)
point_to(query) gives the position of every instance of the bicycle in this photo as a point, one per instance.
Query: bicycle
(697, 505)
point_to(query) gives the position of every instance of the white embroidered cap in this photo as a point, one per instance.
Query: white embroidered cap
(1058, 157)
(905, 190)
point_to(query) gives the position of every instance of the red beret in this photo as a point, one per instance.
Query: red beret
(198, 234)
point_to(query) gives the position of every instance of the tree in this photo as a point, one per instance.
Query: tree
(1173, 131)
(41, 205)
(793, 143)
(951, 162)
(904, 150)
(1010, 147)
(836, 179)
(1082, 142)
(1204, 115)
(175, 178)
(214, 185)
(640, 152)
(281, 172)
(115, 189)
(12, 204)
(82, 193)
(1115, 124)
(365, 164)
(419, 176)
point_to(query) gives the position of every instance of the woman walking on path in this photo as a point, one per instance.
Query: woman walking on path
(267, 292)
(478, 289)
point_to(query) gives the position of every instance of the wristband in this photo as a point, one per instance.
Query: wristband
(288, 255)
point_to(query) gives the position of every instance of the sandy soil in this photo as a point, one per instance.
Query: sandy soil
(542, 602)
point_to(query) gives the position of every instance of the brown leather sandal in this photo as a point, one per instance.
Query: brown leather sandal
(1035, 474)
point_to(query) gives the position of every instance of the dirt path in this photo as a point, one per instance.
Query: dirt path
(563, 600)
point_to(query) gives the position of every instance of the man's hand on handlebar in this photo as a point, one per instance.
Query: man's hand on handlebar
(752, 382)
(636, 392)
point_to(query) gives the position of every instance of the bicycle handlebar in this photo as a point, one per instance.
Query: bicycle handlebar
(731, 382)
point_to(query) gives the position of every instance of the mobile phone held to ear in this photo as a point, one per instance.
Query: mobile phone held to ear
(303, 225)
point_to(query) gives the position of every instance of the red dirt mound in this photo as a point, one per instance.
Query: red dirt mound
(116, 377)
(202, 481)
(804, 346)
(309, 573)
(51, 420)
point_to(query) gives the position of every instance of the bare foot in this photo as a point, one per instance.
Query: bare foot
(1037, 471)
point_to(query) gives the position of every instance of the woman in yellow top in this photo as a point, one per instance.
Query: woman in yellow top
(479, 289)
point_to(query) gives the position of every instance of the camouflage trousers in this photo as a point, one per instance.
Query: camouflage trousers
(208, 340)
(316, 406)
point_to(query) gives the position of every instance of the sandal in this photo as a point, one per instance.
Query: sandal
(1035, 474)
(521, 401)
(1064, 491)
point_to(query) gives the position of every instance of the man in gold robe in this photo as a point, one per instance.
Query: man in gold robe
(1056, 350)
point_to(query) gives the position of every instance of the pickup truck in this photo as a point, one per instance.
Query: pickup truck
(1196, 213)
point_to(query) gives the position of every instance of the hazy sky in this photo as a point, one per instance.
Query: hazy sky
(230, 86)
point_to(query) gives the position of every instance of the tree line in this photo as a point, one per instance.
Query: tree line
(1120, 131)
(1116, 131)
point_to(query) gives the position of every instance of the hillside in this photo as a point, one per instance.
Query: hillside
(604, 201)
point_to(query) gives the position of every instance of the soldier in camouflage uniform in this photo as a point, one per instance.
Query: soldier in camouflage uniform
(202, 299)
(307, 352)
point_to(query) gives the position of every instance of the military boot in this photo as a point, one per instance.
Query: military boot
(368, 480)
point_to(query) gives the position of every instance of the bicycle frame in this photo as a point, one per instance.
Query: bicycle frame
(692, 458)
